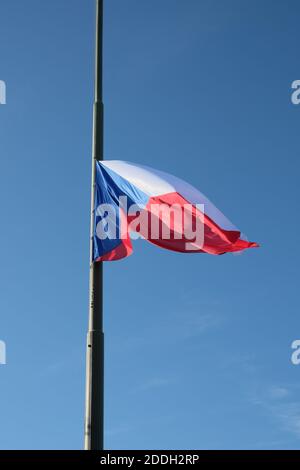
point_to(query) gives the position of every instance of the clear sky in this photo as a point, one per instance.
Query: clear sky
(197, 347)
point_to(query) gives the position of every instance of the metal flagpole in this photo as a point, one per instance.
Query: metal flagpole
(94, 413)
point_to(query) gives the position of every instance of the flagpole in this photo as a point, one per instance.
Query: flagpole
(94, 412)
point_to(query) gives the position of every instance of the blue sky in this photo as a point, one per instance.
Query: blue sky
(197, 347)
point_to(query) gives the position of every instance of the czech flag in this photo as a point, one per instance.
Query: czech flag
(134, 201)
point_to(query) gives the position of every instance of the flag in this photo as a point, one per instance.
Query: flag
(135, 201)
